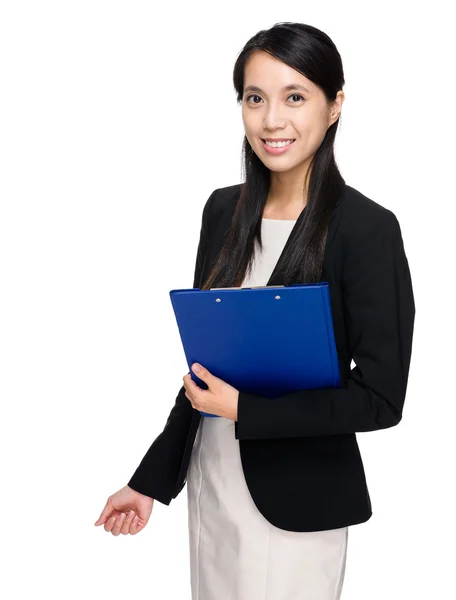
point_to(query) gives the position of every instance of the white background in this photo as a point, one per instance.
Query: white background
(118, 120)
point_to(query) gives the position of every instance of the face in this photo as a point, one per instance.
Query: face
(270, 111)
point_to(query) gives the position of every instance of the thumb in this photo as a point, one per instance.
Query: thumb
(106, 513)
(202, 372)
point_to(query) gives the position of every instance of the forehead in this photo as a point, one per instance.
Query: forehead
(267, 73)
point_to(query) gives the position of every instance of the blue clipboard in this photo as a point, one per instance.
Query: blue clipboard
(265, 340)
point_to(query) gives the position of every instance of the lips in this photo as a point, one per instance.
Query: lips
(278, 140)
(278, 150)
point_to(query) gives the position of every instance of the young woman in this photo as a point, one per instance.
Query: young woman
(273, 485)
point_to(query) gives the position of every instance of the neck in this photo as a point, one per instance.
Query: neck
(287, 191)
(285, 203)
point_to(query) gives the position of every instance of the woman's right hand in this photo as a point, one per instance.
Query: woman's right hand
(126, 511)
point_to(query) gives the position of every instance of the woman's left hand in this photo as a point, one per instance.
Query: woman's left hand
(219, 399)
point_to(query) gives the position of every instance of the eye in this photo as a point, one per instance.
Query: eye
(291, 96)
(297, 95)
(252, 96)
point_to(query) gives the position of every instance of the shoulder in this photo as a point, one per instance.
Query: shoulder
(223, 200)
(361, 216)
(226, 197)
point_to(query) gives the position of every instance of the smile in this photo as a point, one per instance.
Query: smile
(277, 147)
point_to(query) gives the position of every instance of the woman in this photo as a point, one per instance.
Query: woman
(273, 485)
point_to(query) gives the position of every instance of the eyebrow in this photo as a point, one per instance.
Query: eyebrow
(286, 88)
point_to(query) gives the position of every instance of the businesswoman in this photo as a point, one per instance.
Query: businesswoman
(274, 484)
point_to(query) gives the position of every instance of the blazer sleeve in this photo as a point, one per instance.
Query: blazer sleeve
(379, 311)
(157, 474)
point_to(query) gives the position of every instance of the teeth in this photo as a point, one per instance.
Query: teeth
(279, 144)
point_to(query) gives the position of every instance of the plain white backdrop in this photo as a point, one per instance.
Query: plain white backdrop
(118, 120)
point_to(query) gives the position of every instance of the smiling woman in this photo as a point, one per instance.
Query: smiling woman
(290, 113)
(274, 484)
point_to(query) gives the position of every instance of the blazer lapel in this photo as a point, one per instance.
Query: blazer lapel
(276, 278)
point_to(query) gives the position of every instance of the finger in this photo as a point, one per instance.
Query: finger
(135, 527)
(188, 381)
(110, 523)
(209, 380)
(188, 393)
(126, 525)
(186, 385)
(190, 399)
(192, 386)
(105, 514)
(203, 374)
(118, 524)
(195, 393)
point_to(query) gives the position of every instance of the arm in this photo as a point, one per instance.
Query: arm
(157, 474)
(379, 314)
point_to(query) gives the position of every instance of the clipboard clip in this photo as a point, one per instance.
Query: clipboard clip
(251, 287)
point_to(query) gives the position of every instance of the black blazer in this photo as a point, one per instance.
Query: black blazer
(299, 453)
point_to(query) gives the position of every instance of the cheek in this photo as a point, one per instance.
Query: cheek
(312, 131)
(253, 120)
(248, 125)
(249, 134)
(319, 135)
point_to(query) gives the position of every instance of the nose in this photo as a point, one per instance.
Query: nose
(274, 118)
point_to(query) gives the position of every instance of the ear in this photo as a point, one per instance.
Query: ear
(336, 108)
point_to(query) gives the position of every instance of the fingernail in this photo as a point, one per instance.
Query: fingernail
(196, 367)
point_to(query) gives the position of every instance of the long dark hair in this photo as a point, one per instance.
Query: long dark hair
(312, 53)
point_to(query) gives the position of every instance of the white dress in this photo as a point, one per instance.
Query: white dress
(235, 552)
